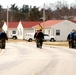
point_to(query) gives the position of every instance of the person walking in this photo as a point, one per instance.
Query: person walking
(70, 39)
(40, 38)
(36, 38)
(0, 37)
(69, 42)
(75, 39)
(3, 40)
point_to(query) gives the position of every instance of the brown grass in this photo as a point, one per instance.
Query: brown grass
(17, 40)
(57, 43)
(46, 43)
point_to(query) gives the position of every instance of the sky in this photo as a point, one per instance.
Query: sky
(37, 3)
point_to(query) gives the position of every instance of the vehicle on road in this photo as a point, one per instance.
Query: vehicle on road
(30, 37)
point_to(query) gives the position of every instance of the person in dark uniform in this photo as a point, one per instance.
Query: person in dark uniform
(75, 39)
(0, 37)
(3, 40)
(40, 38)
(70, 39)
(36, 38)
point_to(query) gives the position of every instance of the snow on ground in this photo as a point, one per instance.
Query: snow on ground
(23, 58)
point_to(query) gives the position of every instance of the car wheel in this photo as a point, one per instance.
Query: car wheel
(14, 37)
(52, 40)
(30, 40)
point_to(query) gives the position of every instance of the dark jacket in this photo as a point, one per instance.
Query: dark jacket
(40, 35)
(35, 35)
(68, 37)
(75, 36)
(4, 36)
(72, 35)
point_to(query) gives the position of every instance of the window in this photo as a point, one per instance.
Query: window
(13, 32)
(46, 35)
(58, 32)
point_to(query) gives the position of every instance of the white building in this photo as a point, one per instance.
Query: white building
(19, 28)
(58, 28)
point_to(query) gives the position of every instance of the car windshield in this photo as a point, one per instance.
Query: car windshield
(46, 35)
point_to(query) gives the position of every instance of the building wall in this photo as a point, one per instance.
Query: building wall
(28, 30)
(10, 30)
(47, 31)
(4, 27)
(65, 28)
(20, 31)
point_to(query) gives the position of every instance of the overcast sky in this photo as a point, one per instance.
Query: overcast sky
(38, 3)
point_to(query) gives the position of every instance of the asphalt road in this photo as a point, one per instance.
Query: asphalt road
(23, 58)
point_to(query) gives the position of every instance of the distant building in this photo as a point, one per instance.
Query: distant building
(58, 28)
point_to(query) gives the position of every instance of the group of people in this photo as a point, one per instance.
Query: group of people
(72, 39)
(3, 38)
(39, 37)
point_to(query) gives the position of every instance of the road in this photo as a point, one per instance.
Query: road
(23, 58)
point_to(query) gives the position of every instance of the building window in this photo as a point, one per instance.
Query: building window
(57, 32)
(13, 32)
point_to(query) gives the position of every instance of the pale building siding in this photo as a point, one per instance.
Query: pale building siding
(47, 31)
(28, 30)
(65, 28)
(4, 27)
(10, 31)
(20, 31)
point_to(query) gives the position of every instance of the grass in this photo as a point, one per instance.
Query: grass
(46, 43)
(56, 43)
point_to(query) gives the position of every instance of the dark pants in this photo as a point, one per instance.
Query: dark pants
(74, 43)
(39, 42)
(3, 43)
(71, 44)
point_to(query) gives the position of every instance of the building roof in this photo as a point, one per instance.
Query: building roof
(74, 21)
(29, 24)
(48, 23)
(12, 24)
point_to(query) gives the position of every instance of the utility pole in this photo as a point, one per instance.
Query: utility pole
(43, 17)
(7, 20)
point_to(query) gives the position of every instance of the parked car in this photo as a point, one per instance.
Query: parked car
(30, 37)
(48, 37)
(14, 36)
